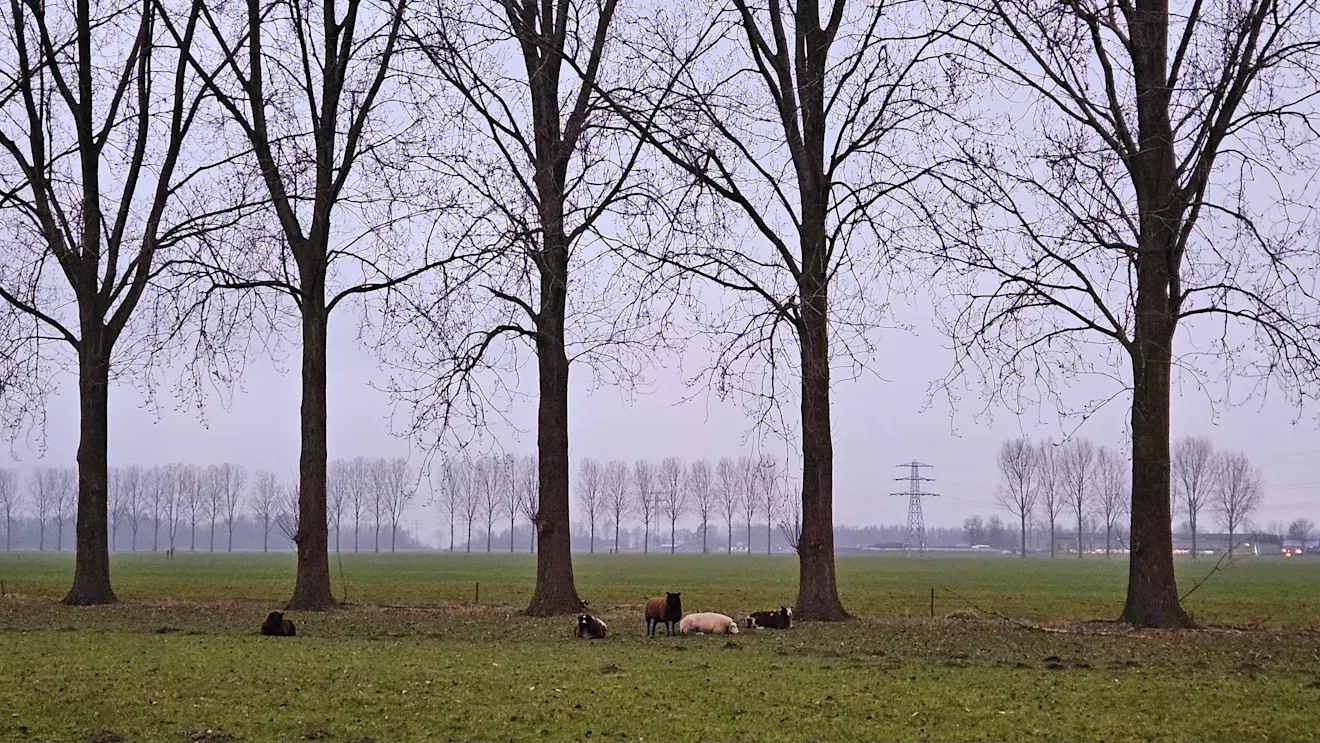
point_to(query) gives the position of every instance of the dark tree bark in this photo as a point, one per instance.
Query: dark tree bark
(1141, 220)
(796, 120)
(322, 71)
(95, 112)
(91, 572)
(556, 188)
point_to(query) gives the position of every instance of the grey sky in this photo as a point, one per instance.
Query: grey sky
(878, 423)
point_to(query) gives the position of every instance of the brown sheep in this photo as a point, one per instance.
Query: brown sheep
(668, 610)
(278, 626)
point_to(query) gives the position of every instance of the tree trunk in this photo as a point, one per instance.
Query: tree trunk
(1051, 539)
(469, 535)
(311, 592)
(91, 566)
(769, 534)
(592, 548)
(818, 591)
(1108, 532)
(1192, 517)
(705, 529)
(1079, 534)
(265, 539)
(749, 534)
(673, 526)
(1023, 553)
(729, 525)
(616, 534)
(1230, 542)
(511, 522)
(1152, 595)
(555, 591)
(91, 572)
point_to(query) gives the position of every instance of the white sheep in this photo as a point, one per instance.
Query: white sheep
(708, 621)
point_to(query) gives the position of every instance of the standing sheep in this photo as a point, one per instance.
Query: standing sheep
(708, 622)
(668, 610)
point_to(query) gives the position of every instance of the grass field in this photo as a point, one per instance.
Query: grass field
(414, 657)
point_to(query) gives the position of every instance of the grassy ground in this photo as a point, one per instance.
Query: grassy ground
(414, 657)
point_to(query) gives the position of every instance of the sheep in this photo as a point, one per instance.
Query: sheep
(277, 625)
(782, 619)
(590, 628)
(708, 621)
(668, 610)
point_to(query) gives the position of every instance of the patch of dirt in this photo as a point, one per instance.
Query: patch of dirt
(731, 645)
(104, 736)
(1312, 684)
(610, 669)
(166, 630)
(963, 615)
(208, 735)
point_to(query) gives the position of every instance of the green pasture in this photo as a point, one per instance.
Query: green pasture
(415, 656)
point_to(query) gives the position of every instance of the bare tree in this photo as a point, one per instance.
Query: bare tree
(1193, 477)
(591, 493)
(287, 509)
(114, 496)
(526, 480)
(1299, 529)
(64, 483)
(470, 499)
(1019, 467)
(1132, 209)
(1237, 492)
(672, 496)
(334, 123)
(213, 495)
(134, 501)
(1051, 474)
(157, 492)
(1077, 458)
(550, 170)
(10, 503)
(727, 489)
(701, 490)
(790, 521)
(266, 492)
(337, 496)
(645, 498)
(391, 479)
(1112, 493)
(804, 125)
(176, 482)
(229, 481)
(452, 477)
(491, 481)
(97, 103)
(357, 491)
(616, 489)
(193, 488)
(767, 489)
(747, 495)
(41, 493)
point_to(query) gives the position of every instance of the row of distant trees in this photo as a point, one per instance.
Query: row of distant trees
(167, 506)
(478, 491)
(1076, 479)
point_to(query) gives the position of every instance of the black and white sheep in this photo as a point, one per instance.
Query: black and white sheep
(781, 619)
(590, 628)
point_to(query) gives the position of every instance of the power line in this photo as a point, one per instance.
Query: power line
(915, 538)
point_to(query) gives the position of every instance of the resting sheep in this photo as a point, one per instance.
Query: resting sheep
(278, 626)
(590, 628)
(782, 619)
(708, 622)
(668, 610)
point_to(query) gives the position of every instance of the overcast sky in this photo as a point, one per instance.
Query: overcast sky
(879, 422)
